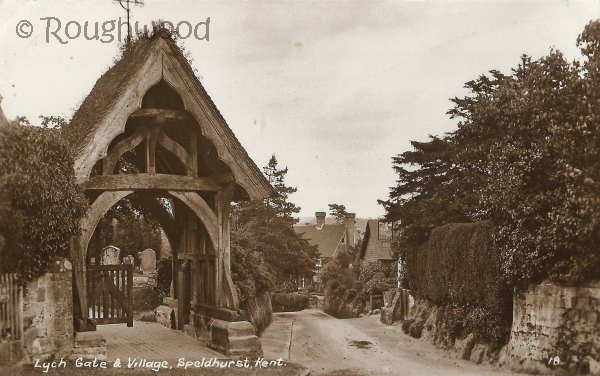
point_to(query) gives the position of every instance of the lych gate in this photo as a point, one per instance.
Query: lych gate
(149, 132)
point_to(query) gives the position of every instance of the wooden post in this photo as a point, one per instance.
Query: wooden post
(183, 298)
(226, 294)
(193, 170)
(129, 272)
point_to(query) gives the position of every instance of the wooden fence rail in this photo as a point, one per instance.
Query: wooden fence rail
(11, 308)
(11, 319)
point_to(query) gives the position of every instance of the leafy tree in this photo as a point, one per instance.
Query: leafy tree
(263, 235)
(338, 212)
(526, 156)
(42, 202)
(129, 229)
(539, 128)
(283, 208)
(433, 189)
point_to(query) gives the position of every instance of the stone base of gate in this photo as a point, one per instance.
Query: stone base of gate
(227, 333)
(89, 346)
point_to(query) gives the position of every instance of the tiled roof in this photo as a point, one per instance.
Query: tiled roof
(326, 239)
(371, 240)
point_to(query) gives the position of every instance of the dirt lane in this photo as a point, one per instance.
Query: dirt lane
(364, 346)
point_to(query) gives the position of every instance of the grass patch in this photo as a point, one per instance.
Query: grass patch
(146, 299)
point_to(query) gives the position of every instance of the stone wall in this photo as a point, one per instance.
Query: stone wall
(556, 327)
(425, 322)
(48, 314)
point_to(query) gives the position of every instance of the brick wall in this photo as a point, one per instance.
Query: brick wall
(48, 314)
(556, 327)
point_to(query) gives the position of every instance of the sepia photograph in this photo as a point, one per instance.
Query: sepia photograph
(299, 187)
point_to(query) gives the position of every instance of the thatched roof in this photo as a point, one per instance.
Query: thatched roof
(118, 93)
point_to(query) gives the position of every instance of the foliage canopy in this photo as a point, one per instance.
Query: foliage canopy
(42, 202)
(525, 156)
(265, 248)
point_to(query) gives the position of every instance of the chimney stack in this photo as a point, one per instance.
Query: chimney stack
(320, 219)
(351, 229)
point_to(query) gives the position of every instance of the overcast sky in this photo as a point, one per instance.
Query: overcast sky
(333, 89)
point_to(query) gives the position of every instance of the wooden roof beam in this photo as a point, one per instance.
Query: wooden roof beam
(158, 113)
(155, 181)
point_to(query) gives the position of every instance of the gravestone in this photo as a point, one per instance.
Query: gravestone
(110, 255)
(148, 263)
(128, 260)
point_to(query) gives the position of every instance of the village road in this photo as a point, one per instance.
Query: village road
(364, 346)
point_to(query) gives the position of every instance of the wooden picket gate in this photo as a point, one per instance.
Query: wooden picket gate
(11, 318)
(110, 294)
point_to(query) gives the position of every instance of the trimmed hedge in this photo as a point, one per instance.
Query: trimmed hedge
(459, 269)
(285, 302)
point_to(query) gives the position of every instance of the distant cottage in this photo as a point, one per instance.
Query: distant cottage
(376, 243)
(330, 238)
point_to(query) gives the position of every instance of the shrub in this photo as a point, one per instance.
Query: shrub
(378, 277)
(416, 329)
(164, 275)
(44, 202)
(315, 288)
(259, 310)
(332, 285)
(146, 299)
(288, 302)
(343, 292)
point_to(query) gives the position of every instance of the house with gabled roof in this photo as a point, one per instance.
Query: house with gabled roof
(329, 238)
(377, 243)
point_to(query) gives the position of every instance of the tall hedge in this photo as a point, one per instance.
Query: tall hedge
(42, 203)
(459, 269)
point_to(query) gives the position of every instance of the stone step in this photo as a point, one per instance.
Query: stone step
(243, 342)
(241, 329)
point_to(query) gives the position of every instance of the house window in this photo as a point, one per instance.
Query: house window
(385, 230)
(343, 239)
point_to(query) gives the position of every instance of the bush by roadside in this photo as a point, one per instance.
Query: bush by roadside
(258, 310)
(289, 302)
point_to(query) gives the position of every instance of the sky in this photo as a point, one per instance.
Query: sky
(334, 89)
